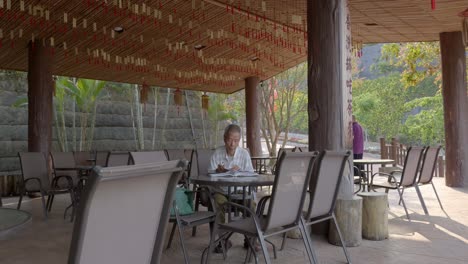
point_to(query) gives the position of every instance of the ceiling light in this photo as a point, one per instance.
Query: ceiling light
(199, 46)
(254, 58)
(119, 29)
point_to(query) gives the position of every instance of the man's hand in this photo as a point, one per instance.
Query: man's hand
(221, 168)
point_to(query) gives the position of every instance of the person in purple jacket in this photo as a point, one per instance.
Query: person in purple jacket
(358, 142)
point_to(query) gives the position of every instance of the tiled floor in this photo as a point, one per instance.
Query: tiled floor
(441, 237)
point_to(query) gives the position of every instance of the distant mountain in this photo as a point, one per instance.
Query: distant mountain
(370, 54)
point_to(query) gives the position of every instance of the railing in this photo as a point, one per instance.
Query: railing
(397, 152)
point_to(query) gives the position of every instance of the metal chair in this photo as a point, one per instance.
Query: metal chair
(408, 178)
(323, 187)
(284, 210)
(64, 164)
(427, 169)
(186, 154)
(35, 178)
(123, 214)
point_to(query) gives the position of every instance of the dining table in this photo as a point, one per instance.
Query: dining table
(369, 167)
(232, 183)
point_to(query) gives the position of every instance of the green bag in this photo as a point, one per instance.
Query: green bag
(184, 201)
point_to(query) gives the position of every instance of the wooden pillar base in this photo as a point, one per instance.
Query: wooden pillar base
(348, 214)
(374, 215)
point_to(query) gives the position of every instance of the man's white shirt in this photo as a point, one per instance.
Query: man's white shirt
(241, 159)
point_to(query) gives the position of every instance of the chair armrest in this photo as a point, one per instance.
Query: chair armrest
(56, 179)
(32, 179)
(389, 176)
(261, 205)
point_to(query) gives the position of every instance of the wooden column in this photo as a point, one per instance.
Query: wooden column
(455, 107)
(40, 93)
(252, 116)
(326, 126)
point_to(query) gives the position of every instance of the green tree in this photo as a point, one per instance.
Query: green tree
(281, 101)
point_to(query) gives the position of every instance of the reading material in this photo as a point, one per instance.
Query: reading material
(233, 174)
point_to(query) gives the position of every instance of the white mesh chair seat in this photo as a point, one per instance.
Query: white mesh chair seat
(124, 213)
(245, 226)
(199, 216)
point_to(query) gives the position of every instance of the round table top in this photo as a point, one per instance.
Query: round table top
(260, 180)
(373, 161)
(11, 220)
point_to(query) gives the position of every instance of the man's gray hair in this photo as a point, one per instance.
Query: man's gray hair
(232, 128)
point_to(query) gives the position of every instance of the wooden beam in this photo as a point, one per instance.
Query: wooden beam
(40, 93)
(252, 116)
(455, 107)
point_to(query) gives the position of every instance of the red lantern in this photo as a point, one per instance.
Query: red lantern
(144, 89)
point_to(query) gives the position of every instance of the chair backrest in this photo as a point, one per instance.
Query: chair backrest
(175, 154)
(281, 150)
(411, 166)
(101, 158)
(325, 183)
(203, 160)
(117, 158)
(65, 160)
(289, 188)
(82, 157)
(429, 164)
(34, 165)
(123, 214)
(143, 157)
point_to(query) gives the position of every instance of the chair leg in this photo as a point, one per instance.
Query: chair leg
(197, 203)
(171, 236)
(341, 239)
(433, 187)
(283, 243)
(307, 240)
(44, 206)
(264, 247)
(404, 205)
(402, 192)
(20, 200)
(275, 256)
(50, 203)
(182, 242)
(212, 241)
(421, 200)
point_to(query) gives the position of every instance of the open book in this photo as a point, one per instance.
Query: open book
(233, 174)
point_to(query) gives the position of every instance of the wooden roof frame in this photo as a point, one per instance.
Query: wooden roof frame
(160, 41)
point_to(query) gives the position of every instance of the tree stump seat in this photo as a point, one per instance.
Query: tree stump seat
(374, 215)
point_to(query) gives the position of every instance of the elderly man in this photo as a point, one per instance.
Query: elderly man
(229, 158)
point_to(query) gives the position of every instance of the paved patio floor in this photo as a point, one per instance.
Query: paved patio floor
(441, 237)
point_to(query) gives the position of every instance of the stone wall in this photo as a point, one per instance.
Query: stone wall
(114, 126)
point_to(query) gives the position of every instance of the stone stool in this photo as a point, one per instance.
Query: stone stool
(374, 215)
